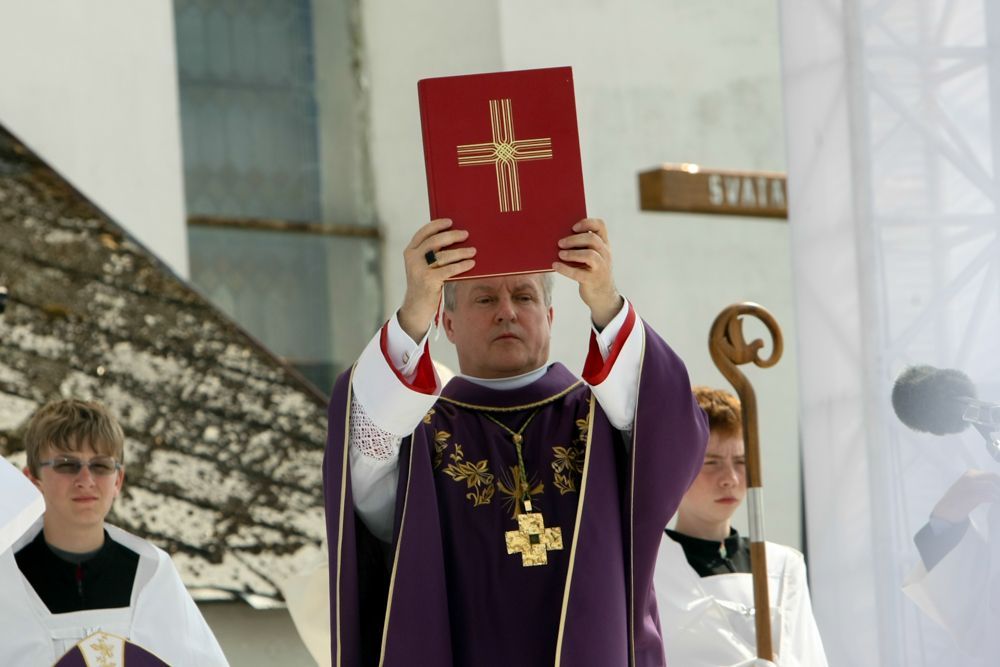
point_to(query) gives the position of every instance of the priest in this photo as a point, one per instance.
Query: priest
(512, 516)
(74, 585)
(957, 582)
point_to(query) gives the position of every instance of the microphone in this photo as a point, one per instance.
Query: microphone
(932, 400)
(943, 402)
(3, 299)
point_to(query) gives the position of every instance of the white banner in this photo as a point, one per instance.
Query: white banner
(893, 195)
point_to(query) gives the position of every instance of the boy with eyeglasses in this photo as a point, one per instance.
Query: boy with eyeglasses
(72, 575)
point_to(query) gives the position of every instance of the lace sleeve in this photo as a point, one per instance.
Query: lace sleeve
(374, 454)
(369, 439)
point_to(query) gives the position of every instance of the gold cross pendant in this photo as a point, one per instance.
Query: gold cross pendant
(533, 540)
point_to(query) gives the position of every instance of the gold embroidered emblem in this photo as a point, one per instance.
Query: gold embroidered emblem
(104, 652)
(427, 417)
(504, 152)
(515, 488)
(533, 540)
(476, 475)
(567, 462)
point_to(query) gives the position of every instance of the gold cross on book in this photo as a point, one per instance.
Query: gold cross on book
(504, 152)
(533, 540)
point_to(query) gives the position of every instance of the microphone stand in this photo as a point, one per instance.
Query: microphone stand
(986, 418)
(729, 349)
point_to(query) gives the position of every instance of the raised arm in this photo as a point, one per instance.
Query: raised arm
(949, 585)
(950, 517)
(612, 366)
(394, 383)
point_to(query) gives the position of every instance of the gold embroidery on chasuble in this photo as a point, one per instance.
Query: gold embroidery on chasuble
(567, 462)
(476, 475)
(532, 540)
(102, 649)
(104, 652)
(440, 445)
(514, 489)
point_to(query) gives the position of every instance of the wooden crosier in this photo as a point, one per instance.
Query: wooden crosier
(729, 349)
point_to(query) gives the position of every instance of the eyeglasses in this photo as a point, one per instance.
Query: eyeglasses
(99, 466)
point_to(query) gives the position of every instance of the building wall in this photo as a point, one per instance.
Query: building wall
(92, 88)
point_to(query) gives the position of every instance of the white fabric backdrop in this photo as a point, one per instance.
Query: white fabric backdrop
(890, 107)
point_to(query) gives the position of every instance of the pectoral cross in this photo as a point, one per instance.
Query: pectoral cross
(532, 539)
(504, 152)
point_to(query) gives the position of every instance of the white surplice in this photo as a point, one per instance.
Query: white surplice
(709, 622)
(162, 617)
(20, 504)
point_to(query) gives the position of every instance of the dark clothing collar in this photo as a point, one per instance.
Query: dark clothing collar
(103, 581)
(710, 557)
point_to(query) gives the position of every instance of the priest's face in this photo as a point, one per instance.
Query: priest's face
(709, 505)
(79, 501)
(500, 326)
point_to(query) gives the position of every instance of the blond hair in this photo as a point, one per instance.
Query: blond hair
(70, 425)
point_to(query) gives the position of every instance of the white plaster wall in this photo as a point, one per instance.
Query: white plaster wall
(92, 88)
(656, 81)
(406, 42)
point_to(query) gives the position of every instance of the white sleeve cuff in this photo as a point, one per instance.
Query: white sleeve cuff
(392, 405)
(618, 393)
(606, 336)
(403, 352)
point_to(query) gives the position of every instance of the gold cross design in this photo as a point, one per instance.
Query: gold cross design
(533, 540)
(504, 152)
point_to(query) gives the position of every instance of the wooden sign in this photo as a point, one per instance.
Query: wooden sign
(693, 189)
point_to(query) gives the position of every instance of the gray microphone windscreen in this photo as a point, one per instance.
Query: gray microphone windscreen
(928, 399)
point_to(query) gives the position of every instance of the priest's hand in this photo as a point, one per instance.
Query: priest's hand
(428, 265)
(590, 252)
(971, 490)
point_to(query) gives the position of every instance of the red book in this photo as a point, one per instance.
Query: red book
(503, 161)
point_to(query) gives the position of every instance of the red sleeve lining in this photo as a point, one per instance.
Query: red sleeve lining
(596, 369)
(423, 380)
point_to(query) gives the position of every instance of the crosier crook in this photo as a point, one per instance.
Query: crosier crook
(729, 349)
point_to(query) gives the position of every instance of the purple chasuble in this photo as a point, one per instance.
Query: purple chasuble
(448, 593)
